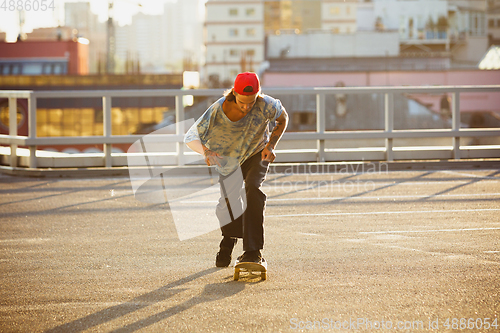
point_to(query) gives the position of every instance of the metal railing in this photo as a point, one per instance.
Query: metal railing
(389, 134)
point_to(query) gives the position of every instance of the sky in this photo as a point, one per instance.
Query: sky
(123, 12)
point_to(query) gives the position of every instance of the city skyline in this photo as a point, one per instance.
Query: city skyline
(235, 34)
(124, 10)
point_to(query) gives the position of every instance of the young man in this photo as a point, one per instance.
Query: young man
(233, 134)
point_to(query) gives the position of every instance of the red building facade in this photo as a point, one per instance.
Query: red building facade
(45, 57)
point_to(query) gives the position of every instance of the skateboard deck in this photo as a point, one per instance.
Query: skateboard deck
(250, 268)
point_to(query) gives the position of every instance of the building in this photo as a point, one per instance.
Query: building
(429, 34)
(236, 33)
(142, 41)
(84, 23)
(454, 29)
(79, 22)
(52, 33)
(396, 43)
(189, 32)
(234, 39)
(446, 33)
(163, 43)
(339, 16)
(291, 15)
(493, 16)
(45, 57)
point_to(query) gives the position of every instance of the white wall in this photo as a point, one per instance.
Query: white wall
(325, 45)
(365, 18)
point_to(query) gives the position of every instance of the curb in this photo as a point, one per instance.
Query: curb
(290, 168)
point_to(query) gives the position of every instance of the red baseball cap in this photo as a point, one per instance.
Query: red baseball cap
(246, 84)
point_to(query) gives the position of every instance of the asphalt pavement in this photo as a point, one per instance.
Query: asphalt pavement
(351, 251)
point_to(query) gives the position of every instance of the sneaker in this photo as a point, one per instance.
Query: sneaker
(251, 256)
(223, 258)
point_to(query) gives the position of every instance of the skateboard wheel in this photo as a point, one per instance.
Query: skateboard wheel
(263, 275)
(236, 274)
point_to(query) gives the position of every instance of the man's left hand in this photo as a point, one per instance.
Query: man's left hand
(268, 154)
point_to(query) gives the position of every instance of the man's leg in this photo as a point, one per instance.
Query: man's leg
(229, 211)
(254, 173)
(223, 258)
(230, 208)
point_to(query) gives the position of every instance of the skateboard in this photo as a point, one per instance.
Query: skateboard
(250, 267)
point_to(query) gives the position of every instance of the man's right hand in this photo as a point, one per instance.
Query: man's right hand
(211, 157)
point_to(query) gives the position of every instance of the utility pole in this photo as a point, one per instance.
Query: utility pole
(110, 41)
(21, 35)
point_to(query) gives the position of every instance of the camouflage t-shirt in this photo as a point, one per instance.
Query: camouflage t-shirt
(235, 141)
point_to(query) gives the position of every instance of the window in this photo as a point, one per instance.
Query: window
(32, 69)
(233, 11)
(477, 23)
(334, 10)
(233, 53)
(251, 32)
(250, 11)
(47, 69)
(250, 52)
(58, 69)
(5, 115)
(348, 10)
(233, 32)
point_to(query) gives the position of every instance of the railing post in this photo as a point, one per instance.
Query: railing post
(320, 125)
(32, 129)
(179, 127)
(389, 125)
(455, 123)
(13, 130)
(107, 128)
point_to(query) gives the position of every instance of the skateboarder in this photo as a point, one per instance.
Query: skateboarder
(233, 134)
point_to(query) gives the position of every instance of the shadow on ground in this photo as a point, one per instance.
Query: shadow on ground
(211, 292)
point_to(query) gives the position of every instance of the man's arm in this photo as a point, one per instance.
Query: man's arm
(280, 127)
(196, 146)
(211, 157)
